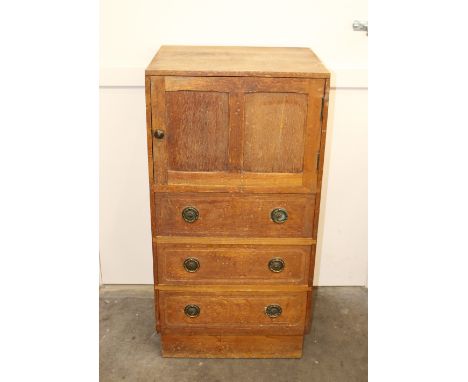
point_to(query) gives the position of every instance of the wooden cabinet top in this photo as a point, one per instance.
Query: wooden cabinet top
(236, 61)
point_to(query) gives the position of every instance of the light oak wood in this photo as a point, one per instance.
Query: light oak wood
(312, 135)
(202, 346)
(323, 131)
(238, 84)
(236, 61)
(232, 264)
(234, 240)
(198, 130)
(235, 288)
(226, 312)
(234, 215)
(234, 134)
(149, 137)
(244, 132)
(274, 132)
(277, 183)
(158, 118)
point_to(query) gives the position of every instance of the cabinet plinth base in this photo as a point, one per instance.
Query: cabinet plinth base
(195, 346)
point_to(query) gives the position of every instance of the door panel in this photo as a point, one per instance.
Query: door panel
(274, 132)
(198, 123)
(196, 116)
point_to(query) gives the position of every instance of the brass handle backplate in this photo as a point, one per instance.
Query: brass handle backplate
(190, 214)
(276, 265)
(273, 311)
(192, 310)
(279, 215)
(191, 264)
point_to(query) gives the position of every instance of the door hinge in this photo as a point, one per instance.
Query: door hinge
(318, 160)
(321, 109)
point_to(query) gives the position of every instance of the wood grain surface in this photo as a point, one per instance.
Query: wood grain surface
(245, 132)
(234, 288)
(274, 132)
(198, 126)
(224, 312)
(235, 134)
(236, 61)
(232, 264)
(234, 215)
(197, 346)
(220, 240)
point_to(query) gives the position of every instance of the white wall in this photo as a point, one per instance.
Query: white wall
(342, 235)
(125, 233)
(131, 33)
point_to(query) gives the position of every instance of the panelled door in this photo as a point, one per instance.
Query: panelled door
(236, 133)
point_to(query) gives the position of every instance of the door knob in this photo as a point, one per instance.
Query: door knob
(190, 214)
(279, 215)
(273, 311)
(159, 134)
(276, 265)
(192, 310)
(191, 264)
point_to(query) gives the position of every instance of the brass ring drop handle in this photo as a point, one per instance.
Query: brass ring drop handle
(190, 214)
(276, 265)
(192, 311)
(191, 264)
(273, 311)
(279, 215)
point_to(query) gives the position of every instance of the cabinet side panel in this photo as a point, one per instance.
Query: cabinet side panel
(149, 131)
(312, 133)
(319, 169)
(323, 135)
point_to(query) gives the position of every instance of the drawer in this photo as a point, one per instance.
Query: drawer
(232, 264)
(233, 215)
(222, 312)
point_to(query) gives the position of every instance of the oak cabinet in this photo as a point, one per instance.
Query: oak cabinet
(235, 152)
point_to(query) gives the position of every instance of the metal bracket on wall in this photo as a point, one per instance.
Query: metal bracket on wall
(360, 26)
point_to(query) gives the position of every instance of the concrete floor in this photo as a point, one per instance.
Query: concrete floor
(334, 351)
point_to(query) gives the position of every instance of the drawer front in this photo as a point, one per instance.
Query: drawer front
(234, 215)
(232, 264)
(232, 312)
